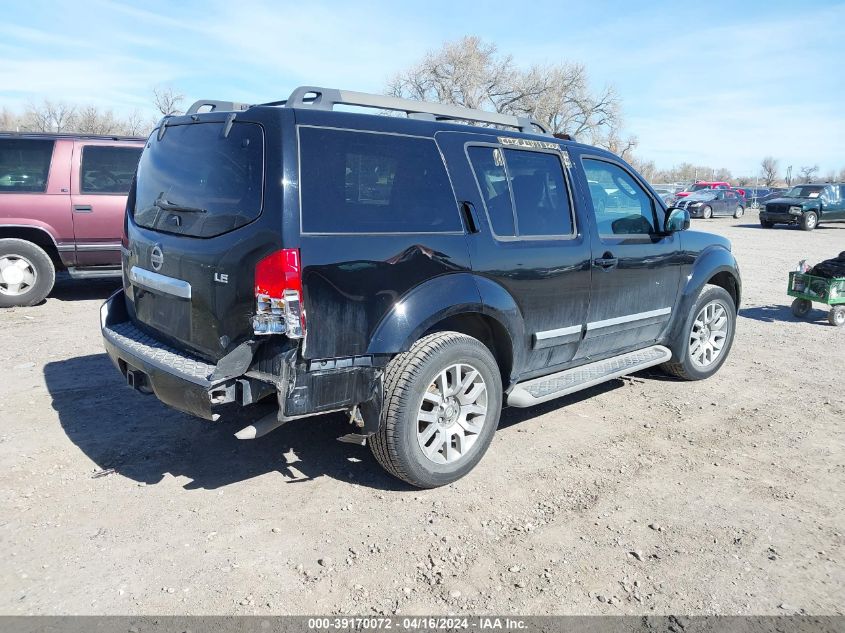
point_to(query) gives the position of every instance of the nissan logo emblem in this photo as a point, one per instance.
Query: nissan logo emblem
(156, 257)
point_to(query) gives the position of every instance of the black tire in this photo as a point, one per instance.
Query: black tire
(766, 224)
(836, 316)
(809, 221)
(37, 261)
(801, 307)
(707, 213)
(740, 211)
(407, 379)
(682, 364)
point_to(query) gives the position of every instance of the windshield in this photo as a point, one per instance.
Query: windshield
(196, 181)
(703, 195)
(805, 191)
(698, 187)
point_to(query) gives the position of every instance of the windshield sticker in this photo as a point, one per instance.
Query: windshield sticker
(814, 194)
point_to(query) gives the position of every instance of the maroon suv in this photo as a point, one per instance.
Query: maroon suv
(62, 200)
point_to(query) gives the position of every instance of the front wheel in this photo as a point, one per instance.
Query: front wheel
(739, 212)
(707, 213)
(27, 273)
(809, 221)
(707, 335)
(441, 408)
(836, 316)
(766, 224)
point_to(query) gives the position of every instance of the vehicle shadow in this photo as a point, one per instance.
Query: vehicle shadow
(776, 313)
(69, 289)
(140, 438)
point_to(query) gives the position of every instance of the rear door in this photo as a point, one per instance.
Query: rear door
(636, 268)
(101, 176)
(531, 239)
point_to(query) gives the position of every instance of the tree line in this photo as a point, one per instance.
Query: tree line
(59, 116)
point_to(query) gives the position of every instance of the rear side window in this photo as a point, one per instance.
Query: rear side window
(25, 165)
(196, 181)
(108, 169)
(530, 182)
(361, 182)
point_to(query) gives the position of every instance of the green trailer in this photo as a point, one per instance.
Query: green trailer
(809, 288)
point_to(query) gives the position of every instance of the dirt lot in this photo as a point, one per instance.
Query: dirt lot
(645, 495)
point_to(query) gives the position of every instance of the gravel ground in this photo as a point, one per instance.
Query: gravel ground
(644, 495)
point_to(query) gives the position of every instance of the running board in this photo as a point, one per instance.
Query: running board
(546, 388)
(103, 272)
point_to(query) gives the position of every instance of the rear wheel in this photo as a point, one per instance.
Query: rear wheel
(739, 212)
(27, 273)
(707, 335)
(707, 213)
(441, 408)
(801, 307)
(809, 221)
(836, 316)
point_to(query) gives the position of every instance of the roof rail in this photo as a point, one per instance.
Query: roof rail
(213, 105)
(328, 98)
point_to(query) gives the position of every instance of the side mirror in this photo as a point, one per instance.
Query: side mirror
(676, 220)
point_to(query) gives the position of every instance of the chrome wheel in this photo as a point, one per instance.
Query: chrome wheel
(17, 275)
(739, 212)
(452, 414)
(709, 334)
(810, 221)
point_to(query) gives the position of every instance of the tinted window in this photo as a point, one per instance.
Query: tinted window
(621, 205)
(195, 181)
(108, 169)
(489, 167)
(24, 164)
(358, 182)
(539, 193)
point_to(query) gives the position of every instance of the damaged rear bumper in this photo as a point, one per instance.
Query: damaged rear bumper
(194, 386)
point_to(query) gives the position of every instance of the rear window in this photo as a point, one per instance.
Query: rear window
(196, 182)
(25, 165)
(108, 169)
(361, 182)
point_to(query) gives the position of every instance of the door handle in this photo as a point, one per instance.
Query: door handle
(606, 262)
(83, 208)
(469, 215)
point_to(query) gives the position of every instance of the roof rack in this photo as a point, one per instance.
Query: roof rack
(328, 98)
(92, 137)
(223, 106)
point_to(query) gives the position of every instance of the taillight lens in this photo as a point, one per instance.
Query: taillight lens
(278, 295)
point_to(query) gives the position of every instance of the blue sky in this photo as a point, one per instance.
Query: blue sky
(721, 84)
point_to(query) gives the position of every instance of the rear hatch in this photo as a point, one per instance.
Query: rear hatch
(200, 216)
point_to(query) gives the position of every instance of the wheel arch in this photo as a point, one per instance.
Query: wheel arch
(39, 236)
(460, 302)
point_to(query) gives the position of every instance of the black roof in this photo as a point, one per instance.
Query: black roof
(71, 135)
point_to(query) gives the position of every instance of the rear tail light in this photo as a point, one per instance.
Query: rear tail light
(278, 295)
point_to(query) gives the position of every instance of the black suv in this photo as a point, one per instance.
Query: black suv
(417, 272)
(806, 206)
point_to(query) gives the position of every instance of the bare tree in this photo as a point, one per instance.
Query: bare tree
(167, 100)
(769, 170)
(50, 116)
(808, 172)
(472, 73)
(136, 124)
(9, 121)
(742, 181)
(91, 120)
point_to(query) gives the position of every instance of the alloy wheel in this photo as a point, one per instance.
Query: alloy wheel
(709, 334)
(452, 413)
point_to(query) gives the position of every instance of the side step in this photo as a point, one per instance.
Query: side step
(546, 388)
(97, 272)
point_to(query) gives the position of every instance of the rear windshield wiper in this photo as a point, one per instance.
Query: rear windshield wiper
(166, 205)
